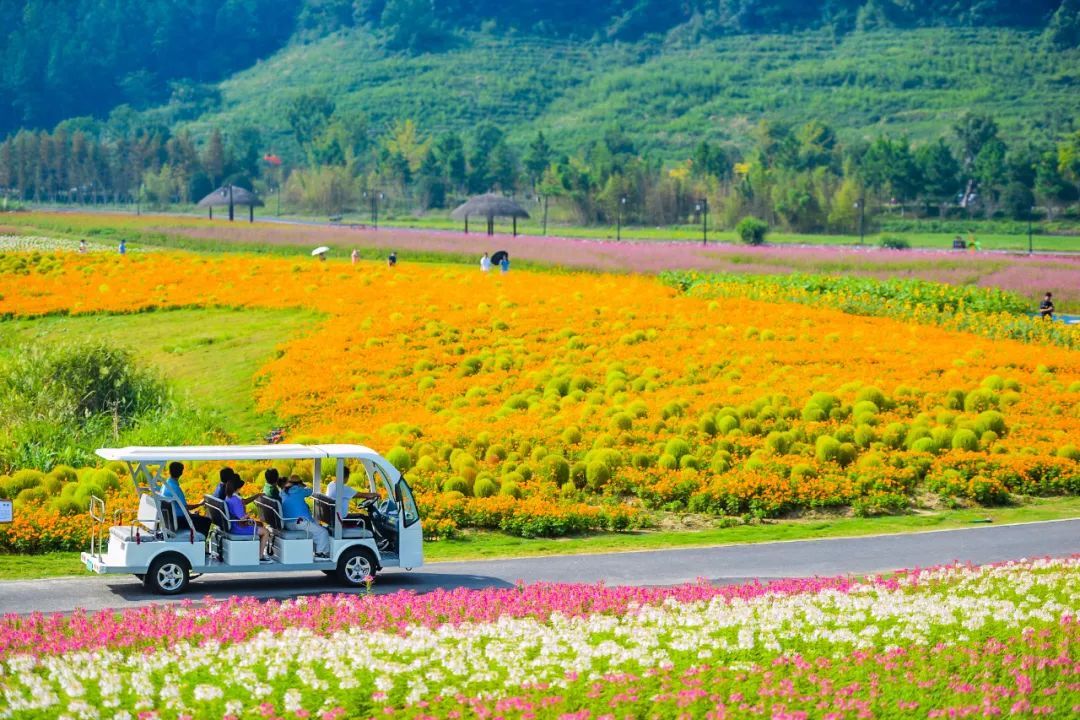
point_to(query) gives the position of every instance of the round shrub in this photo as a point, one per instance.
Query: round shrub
(64, 473)
(846, 454)
(571, 435)
(873, 395)
(495, 454)
(621, 422)
(779, 442)
(707, 425)
(399, 458)
(894, 242)
(827, 448)
(677, 447)
(752, 231)
(668, 461)
(597, 475)
(1069, 451)
(726, 423)
(456, 484)
(979, 400)
(23, 480)
(688, 462)
(864, 435)
(965, 440)
(557, 469)
(485, 487)
(990, 420)
(426, 464)
(923, 445)
(510, 489)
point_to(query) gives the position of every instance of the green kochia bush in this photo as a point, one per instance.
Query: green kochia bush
(60, 403)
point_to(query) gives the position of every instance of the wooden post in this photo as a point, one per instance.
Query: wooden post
(515, 226)
(466, 224)
(251, 213)
(211, 212)
(231, 207)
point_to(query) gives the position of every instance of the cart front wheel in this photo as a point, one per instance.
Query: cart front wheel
(168, 574)
(355, 566)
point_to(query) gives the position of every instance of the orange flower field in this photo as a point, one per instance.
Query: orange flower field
(544, 403)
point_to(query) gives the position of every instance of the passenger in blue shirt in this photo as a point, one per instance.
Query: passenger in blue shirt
(294, 507)
(173, 490)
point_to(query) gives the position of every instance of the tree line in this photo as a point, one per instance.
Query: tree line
(802, 178)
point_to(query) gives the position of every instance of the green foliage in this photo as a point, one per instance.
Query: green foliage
(399, 457)
(64, 401)
(894, 242)
(752, 231)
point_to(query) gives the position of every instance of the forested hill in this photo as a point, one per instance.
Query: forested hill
(68, 58)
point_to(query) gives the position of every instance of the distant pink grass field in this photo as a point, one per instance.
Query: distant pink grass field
(1029, 276)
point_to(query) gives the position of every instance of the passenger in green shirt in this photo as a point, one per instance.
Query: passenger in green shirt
(273, 480)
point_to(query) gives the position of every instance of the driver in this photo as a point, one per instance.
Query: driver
(347, 494)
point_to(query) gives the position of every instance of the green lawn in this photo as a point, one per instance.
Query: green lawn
(187, 346)
(490, 545)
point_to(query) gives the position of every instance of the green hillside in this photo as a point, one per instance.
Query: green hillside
(668, 96)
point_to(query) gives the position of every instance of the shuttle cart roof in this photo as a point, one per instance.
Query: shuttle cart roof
(237, 452)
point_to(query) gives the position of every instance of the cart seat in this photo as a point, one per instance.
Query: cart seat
(219, 516)
(172, 529)
(355, 532)
(270, 512)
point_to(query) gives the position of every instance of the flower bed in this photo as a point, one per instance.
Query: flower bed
(552, 403)
(924, 643)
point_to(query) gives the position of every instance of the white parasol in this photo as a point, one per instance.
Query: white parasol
(320, 250)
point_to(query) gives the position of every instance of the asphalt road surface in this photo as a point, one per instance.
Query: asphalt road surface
(726, 564)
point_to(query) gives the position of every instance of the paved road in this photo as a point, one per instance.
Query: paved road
(722, 564)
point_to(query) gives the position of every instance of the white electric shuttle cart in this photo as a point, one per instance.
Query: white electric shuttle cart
(164, 552)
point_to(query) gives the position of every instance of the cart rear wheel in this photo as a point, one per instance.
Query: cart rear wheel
(355, 566)
(168, 574)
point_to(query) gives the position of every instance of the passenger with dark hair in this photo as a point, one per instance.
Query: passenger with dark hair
(174, 492)
(271, 488)
(239, 521)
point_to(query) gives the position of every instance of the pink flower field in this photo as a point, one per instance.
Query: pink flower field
(966, 641)
(1028, 276)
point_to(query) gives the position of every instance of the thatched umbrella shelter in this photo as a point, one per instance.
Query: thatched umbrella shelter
(490, 206)
(230, 196)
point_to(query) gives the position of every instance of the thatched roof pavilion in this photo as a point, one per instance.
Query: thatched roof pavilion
(490, 206)
(230, 196)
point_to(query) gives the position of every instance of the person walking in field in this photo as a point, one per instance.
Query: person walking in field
(123, 247)
(391, 259)
(1046, 307)
(355, 256)
(504, 264)
(485, 263)
(82, 246)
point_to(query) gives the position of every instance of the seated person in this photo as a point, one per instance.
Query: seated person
(239, 522)
(297, 516)
(223, 475)
(271, 488)
(348, 493)
(174, 492)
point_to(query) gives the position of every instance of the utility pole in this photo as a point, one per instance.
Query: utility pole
(861, 205)
(703, 208)
(545, 213)
(618, 225)
(1031, 214)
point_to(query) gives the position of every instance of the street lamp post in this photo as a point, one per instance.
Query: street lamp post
(618, 225)
(545, 197)
(1031, 214)
(703, 208)
(860, 205)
